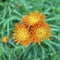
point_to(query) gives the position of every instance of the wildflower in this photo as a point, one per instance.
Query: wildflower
(33, 19)
(41, 32)
(21, 34)
(5, 39)
(32, 29)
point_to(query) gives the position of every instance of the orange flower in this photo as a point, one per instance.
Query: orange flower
(32, 29)
(21, 34)
(33, 19)
(5, 39)
(41, 32)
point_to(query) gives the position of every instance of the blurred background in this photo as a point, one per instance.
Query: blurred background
(11, 12)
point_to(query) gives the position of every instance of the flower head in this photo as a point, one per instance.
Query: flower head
(21, 34)
(41, 32)
(5, 39)
(34, 18)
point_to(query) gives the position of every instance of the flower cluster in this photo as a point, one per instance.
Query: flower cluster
(32, 29)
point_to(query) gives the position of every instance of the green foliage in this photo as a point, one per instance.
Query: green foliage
(11, 13)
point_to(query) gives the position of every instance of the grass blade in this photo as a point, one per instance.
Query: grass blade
(43, 53)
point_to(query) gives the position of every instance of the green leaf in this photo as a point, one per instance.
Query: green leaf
(55, 26)
(11, 19)
(25, 4)
(56, 37)
(38, 58)
(16, 12)
(54, 29)
(35, 53)
(57, 17)
(8, 33)
(1, 50)
(47, 43)
(51, 42)
(43, 53)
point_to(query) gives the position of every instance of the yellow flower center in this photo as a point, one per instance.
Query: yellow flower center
(40, 32)
(22, 34)
(33, 20)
